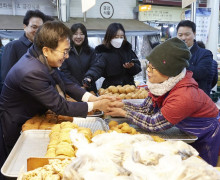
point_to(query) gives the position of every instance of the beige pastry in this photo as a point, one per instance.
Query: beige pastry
(51, 152)
(64, 148)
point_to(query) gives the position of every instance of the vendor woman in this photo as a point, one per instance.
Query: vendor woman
(34, 84)
(175, 100)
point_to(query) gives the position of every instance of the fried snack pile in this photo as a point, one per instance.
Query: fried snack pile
(54, 170)
(60, 144)
(122, 128)
(125, 92)
(45, 122)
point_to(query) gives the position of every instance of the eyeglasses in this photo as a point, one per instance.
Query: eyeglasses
(150, 67)
(64, 52)
(34, 27)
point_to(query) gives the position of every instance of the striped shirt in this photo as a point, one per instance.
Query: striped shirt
(146, 116)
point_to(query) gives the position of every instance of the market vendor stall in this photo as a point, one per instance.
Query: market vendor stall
(34, 143)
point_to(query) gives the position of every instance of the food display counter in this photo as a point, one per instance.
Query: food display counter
(173, 133)
(33, 143)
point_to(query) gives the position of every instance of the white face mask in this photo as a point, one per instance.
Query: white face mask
(117, 42)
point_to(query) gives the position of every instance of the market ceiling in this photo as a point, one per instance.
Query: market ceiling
(9, 22)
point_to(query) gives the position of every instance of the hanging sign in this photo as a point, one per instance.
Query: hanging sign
(87, 4)
(203, 17)
(144, 8)
(186, 3)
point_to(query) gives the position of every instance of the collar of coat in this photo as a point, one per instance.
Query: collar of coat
(102, 48)
(25, 40)
(195, 47)
(187, 81)
(34, 51)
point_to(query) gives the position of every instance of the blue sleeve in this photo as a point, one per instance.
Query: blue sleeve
(146, 116)
(214, 73)
(202, 69)
(149, 122)
(145, 107)
(9, 58)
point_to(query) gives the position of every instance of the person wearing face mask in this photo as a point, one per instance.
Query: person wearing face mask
(202, 59)
(175, 100)
(81, 56)
(113, 61)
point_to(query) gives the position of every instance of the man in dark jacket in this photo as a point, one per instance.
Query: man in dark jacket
(34, 85)
(201, 61)
(213, 77)
(16, 49)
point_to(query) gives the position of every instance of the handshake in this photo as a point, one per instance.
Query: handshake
(110, 105)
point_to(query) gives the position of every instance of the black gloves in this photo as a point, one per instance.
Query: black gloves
(87, 82)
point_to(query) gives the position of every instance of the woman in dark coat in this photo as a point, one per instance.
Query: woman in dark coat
(81, 56)
(114, 59)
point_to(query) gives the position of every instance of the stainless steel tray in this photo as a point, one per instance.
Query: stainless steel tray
(173, 133)
(96, 114)
(31, 143)
(94, 123)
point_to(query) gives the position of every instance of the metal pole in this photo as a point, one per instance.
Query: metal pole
(58, 9)
(212, 42)
(193, 12)
(84, 16)
(13, 7)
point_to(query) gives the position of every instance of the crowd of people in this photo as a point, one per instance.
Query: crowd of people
(51, 61)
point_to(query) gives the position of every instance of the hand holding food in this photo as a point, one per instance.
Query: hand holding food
(114, 112)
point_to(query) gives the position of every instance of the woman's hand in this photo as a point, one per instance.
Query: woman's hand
(95, 98)
(116, 112)
(106, 105)
(128, 65)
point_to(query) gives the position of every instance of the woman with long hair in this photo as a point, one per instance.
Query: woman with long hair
(115, 61)
(81, 56)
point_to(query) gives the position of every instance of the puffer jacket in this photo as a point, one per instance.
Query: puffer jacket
(109, 64)
(77, 65)
(201, 66)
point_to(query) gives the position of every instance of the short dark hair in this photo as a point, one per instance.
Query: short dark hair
(85, 43)
(33, 13)
(48, 18)
(49, 34)
(187, 23)
(111, 33)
